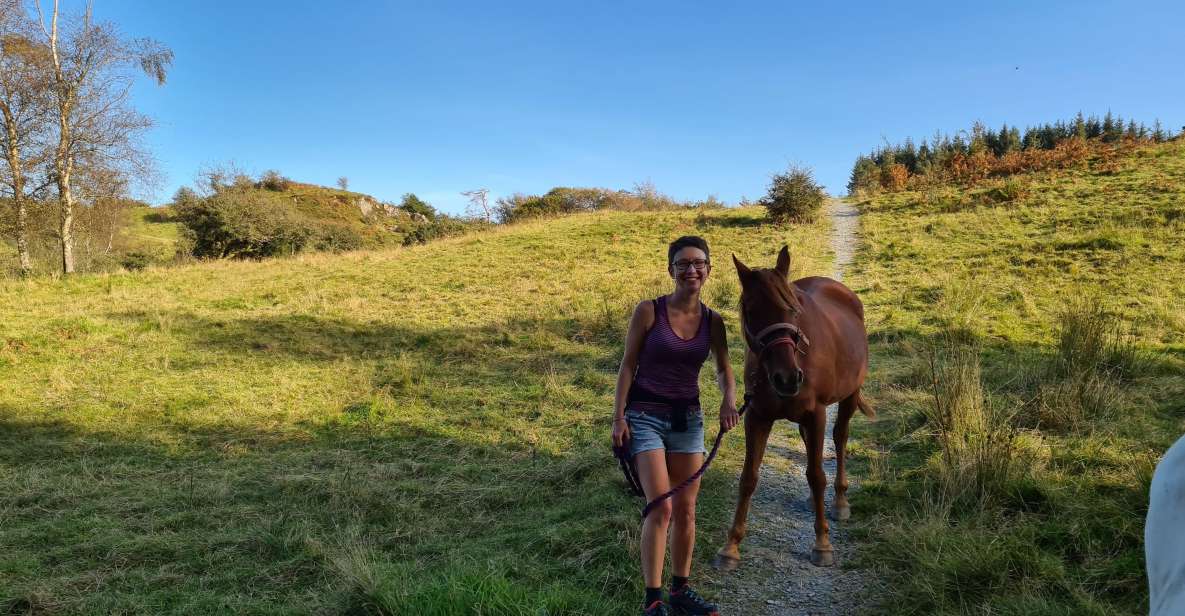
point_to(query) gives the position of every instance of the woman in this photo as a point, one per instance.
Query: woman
(657, 414)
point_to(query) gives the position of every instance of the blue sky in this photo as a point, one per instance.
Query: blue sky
(698, 98)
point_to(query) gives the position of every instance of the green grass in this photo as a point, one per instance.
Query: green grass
(152, 232)
(1064, 290)
(419, 430)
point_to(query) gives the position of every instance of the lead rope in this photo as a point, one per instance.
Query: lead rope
(632, 473)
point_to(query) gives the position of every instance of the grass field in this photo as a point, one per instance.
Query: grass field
(419, 430)
(425, 430)
(1028, 340)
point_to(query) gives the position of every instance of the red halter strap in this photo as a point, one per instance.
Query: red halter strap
(794, 338)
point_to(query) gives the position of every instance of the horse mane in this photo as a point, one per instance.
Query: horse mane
(776, 288)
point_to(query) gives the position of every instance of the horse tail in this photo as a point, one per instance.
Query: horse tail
(865, 407)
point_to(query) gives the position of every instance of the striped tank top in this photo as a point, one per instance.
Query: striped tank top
(669, 366)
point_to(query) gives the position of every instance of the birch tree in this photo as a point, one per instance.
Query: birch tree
(91, 72)
(478, 205)
(24, 116)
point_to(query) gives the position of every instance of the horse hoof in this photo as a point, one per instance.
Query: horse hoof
(822, 558)
(842, 513)
(725, 563)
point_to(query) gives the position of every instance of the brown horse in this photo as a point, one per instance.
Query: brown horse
(807, 349)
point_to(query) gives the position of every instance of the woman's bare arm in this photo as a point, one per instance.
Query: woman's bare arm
(635, 335)
(724, 378)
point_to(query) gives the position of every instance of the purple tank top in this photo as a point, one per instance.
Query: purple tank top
(668, 365)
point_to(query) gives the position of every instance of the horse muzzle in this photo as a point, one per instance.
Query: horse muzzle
(787, 385)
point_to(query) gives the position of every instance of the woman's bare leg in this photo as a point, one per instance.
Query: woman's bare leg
(682, 466)
(652, 470)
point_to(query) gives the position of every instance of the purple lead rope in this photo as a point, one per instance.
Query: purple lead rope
(631, 472)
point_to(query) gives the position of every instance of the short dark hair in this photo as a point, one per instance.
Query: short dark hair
(693, 241)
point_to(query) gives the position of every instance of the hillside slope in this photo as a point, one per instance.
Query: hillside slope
(137, 235)
(416, 430)
(1029, 348)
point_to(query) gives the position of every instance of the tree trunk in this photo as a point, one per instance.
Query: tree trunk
(66, 201)
(64, 166)
(18, 199)
(22, 235)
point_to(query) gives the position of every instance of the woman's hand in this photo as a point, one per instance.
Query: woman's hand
(728, 416)
(621, 431)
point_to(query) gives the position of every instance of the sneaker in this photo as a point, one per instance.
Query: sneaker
(658, 608)
(686, 601)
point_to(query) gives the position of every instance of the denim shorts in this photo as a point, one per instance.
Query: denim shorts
(654, 432)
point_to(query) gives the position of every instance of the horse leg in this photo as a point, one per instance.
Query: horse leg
(756, 436)
(812, 431)
(847, 408)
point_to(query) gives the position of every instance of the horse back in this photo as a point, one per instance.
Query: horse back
(832, 296)
(839, 345)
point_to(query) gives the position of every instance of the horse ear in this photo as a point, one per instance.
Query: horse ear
(743, 271)
(783, 266)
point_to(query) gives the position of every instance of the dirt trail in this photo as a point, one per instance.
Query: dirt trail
(776, 576)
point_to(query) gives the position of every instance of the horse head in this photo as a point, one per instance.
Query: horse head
(769, 317)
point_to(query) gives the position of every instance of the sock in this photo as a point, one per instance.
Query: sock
(677, 582)
(652, 595)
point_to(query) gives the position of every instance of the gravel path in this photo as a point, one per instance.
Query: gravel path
(776, 576)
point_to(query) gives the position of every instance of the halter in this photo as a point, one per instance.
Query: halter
(794, 338)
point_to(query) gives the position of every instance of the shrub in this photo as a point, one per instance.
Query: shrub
(711, 203)
(421, 230)
(272, 180)
(794, 196)
(135, 261)
(649, 198)
(242, 224)
(560, 200)
(416, 206)
(1009, 191)
(335, 236)
(509, 209)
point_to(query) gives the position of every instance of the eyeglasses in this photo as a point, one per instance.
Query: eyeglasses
(682, 265)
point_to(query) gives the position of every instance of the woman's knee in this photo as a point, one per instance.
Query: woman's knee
(683, 513)
(661, 513)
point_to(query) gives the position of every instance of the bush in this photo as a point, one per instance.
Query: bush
(135, 261)
(560, 200)
(794, 196)
(416, 206)
(1008, 191)
(272, 180)
(335, 236)
(650, 199)
(711, 203)
(510, 209)
(242, 224)
(421, 230)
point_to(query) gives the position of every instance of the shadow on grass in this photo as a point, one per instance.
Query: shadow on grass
(158, 216)
(430, 476)
(316, 339)
(264, 517)
(730, 222)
